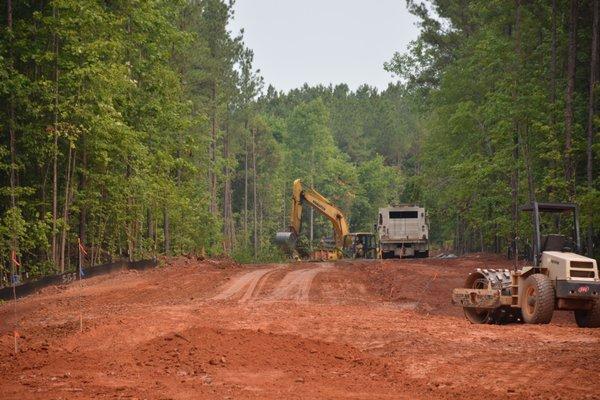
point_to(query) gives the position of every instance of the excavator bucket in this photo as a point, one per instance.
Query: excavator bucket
(286, 240)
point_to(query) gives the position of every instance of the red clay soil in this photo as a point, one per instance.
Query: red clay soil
(352, 329)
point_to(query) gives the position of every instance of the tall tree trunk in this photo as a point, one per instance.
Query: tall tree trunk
(55, 160)
(514, 181)
(167, 231)
(553, 62)
(82, 189)
(226, 241)
(526, 149)
(130, 224)
(554, 165)
(496, 239)
(456, 236)
(11, 114)
(569, 117)
(150, 232)
(67, 203)
(284, 216)
(254, 195)
(167, 222)
(55, 196)
(591, 114)
(246, 192)
(260, 223)
(213, 151)
(227, 208)
(12, 144)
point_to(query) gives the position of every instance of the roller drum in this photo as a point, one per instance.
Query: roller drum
(491, 279)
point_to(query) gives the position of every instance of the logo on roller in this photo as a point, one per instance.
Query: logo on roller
(583, 289)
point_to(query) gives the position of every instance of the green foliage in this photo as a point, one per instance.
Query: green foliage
(485, 79)
(378, 186)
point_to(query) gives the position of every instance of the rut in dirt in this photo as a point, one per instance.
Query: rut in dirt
(295, 285)
(245, 286)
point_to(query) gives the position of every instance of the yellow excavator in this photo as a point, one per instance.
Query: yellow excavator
(345, 244)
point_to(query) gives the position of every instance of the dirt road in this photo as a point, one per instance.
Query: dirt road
(206, 330)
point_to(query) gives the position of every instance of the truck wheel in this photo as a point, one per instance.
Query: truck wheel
(537, 305)
(589, 318)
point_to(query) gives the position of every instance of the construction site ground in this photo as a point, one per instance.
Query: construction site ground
(351, 329)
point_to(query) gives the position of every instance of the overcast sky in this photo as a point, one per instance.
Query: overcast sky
(324, 41)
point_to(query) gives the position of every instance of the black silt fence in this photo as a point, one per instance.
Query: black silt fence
(31, 287)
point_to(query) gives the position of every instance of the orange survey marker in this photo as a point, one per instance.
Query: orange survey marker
(16, 337)
(81, 247)
(14, 259)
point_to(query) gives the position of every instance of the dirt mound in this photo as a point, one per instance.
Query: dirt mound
(202, 357)
(423, 284)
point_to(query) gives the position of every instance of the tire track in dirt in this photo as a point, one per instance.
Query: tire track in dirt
(245, 285)
(296, 284)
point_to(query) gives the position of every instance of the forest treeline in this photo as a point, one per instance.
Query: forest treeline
(142, 128)
(509, 98)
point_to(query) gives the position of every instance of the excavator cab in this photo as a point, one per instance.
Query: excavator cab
(363, 245)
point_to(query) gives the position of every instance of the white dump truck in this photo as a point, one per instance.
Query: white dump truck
(403, 231)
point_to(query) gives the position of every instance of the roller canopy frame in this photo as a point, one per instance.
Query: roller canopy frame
(537, 208)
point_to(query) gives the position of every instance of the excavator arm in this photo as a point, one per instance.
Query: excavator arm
(301, 196)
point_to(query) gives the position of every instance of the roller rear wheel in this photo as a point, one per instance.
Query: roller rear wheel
(589, 318)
